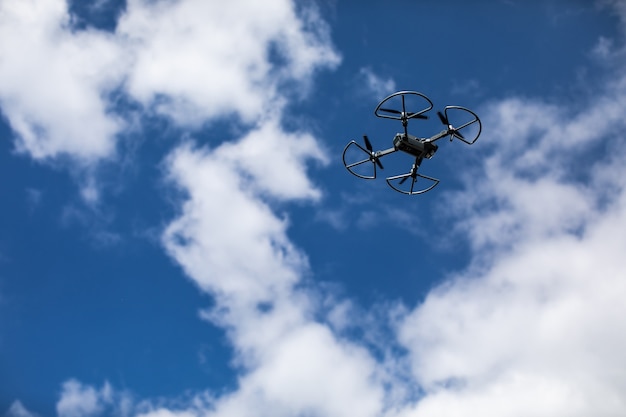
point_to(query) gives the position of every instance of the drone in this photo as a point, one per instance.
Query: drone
(366, 162)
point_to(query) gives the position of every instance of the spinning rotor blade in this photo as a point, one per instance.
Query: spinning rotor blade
(392, 111)
(408, 114)
(451, 129)
(413, 177)
(368, 144)
(443, 118)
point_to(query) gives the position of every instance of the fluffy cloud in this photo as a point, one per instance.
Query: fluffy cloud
(543, 322)
(54, 82)
(538, 315)
(273, 160)
(197, 59)
(17, 409)
(78, 400)
(536, 325)
(533, 327)
(378, 86)
(225, 232)
(190, 60)
(235, 247)
(539, 136)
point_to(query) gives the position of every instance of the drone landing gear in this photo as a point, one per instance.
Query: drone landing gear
(397, 181)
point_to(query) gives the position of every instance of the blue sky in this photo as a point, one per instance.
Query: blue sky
(179, 237)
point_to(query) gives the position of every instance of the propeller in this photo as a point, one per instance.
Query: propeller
(368, 146)
(443, 118)
(451, 129)
(408, 114)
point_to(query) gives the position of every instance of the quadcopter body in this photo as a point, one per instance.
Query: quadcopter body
(364, 161)
(414, 146)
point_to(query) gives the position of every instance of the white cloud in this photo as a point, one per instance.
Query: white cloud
(380, 87)
(604, 48)
(196, 60)
(83, 400)
(609, 50)
(539, 174)
(164, 412)
(190, 60)
(234, 246)
(309, 370)
(225, 231)
(78, 400)
(546, 322)
(54, 82)
(17, 409)
(274, 158)
(540, 137)
(536, 325)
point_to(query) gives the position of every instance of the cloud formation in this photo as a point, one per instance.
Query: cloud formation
(191, 61)
(377, 85)
(54, 82)
(17, 409)
(533, 327)
(235, 247)
(195, 60)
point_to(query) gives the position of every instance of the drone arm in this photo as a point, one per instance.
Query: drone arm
(372, 157)
(377, 155)
(354, 143)
(382, 153)
(438, 136)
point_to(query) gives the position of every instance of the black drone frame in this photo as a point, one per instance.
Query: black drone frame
(420, 148)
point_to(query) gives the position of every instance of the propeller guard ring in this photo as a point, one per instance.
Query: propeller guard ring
(378, 109)
(474, 120)
(410, 191)
(358, 163)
